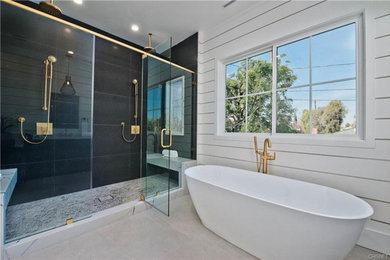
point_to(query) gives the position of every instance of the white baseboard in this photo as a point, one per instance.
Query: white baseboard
(375, 240)
(48, 238)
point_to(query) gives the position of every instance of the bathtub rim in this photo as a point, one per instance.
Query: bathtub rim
(370, 210)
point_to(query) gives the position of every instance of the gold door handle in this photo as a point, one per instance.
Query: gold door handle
(162, 138)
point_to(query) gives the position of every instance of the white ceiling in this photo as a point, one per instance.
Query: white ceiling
(176, 19)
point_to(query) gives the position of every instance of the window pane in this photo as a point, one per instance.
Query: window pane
(156, 114)
(334, 54)
(260, 113)
(157, 98)
(153, 119)
(235, 115)
(260, 73)
(174, 102)
(150, 114)
(334, 108)
(150, 99)
(294, 64)
(292, 110)
(177, 92)
(177, 122)
(154, 98)
(235, 79)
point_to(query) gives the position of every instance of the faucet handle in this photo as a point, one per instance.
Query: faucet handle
(272, 157)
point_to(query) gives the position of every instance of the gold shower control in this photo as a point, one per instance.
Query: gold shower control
(135, 130)
(44, 128)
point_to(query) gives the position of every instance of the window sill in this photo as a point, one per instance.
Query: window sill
(351, 141)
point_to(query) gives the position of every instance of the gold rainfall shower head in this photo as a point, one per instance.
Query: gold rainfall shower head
(50, 8)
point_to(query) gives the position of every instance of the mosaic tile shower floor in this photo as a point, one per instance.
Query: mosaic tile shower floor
(32, 217)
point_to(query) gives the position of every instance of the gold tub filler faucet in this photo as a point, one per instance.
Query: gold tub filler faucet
(263, 156)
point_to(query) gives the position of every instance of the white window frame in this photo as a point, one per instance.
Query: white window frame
(297, 138)
(182, 79)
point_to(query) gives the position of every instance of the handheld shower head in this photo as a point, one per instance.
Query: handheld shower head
(50, 8)
(52, 59)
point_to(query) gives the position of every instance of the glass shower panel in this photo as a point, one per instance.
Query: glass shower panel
(181, 120)
(157, 172)
(46, 76)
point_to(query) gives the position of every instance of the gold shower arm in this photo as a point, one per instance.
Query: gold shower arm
(150, 39)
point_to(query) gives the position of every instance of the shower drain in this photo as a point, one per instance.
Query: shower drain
(105, 198)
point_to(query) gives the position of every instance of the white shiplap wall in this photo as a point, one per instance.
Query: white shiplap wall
(360, 167)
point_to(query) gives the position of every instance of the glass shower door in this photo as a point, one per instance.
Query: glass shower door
(158, 141)
(46, 121)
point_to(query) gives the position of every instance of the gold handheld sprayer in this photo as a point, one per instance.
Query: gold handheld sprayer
(134, 129)
(43, 128)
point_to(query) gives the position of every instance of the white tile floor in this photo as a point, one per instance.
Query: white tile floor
(152, 235)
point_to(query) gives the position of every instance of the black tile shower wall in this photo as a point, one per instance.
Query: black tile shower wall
(61, 164)
(185, 54)
(114, 160)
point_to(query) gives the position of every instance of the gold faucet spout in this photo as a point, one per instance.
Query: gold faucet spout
(267, 143)
(264, 155)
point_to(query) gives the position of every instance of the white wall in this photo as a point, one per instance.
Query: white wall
(360, 167)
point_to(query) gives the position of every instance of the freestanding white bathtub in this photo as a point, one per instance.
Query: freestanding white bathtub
(273, 217)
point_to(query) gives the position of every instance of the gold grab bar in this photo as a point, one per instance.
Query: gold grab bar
(162, 138)
(46, 104)
(46, 62)
(134, 129)
(135, 82)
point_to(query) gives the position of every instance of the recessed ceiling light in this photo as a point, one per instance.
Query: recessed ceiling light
(135, 28)
(70, 52)
(79, 2)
